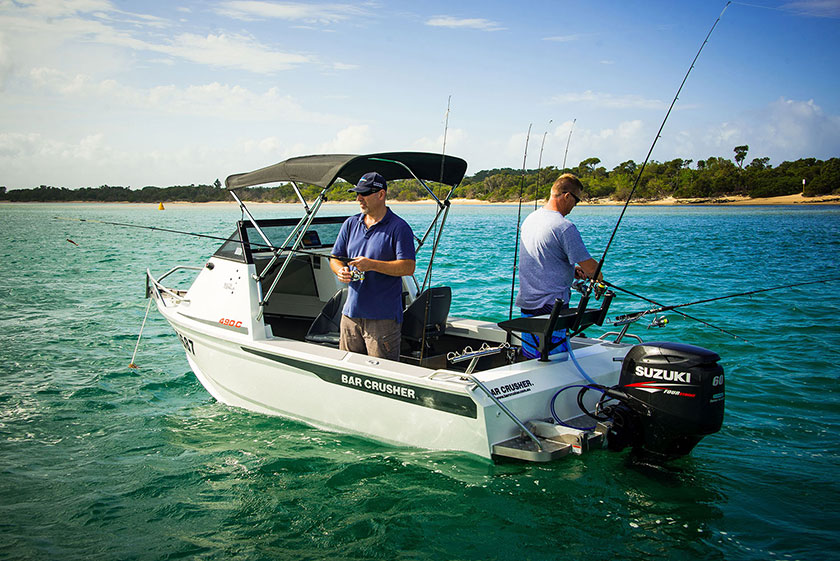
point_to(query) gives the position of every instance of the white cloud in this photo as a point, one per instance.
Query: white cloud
(455, 139)
(628, 140)
(65, 29)
(214, 100)
(63, 8)
(565, 38)
(20, 151)
(72, 163)
(782, 130)
(816, 8)
(607, 100)
(323, 14)
(785, 129)
(350, 140)
(464, 23)
(230, 51)
(5, 62)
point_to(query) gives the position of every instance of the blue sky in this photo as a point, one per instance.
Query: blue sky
(97, 92)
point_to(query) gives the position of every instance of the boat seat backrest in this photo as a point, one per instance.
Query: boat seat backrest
(417, 320)
(327, 325)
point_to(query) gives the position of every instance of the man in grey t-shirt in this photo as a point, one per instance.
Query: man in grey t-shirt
(552, 253)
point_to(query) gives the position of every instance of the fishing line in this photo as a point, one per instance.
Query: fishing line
(654, 302)
(647, 158)
(748, 293)
(249, 244)
(518, 218)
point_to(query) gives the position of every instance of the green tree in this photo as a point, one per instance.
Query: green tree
(827, 181)
(741, 154)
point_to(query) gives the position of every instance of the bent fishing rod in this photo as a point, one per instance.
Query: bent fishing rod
(258, 245)
(647, 158)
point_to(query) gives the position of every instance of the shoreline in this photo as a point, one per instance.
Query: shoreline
(733, 200)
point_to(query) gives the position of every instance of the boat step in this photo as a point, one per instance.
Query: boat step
(555, 441)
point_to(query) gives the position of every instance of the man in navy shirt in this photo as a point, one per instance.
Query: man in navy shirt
(380, 244)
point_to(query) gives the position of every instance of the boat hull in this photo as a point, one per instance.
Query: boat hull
(384, 400)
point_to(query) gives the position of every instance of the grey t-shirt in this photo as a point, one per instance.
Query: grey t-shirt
(550, 247)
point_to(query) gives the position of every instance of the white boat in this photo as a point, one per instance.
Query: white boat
(258, 325)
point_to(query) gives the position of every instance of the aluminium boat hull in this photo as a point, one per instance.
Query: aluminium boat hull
(393, 402)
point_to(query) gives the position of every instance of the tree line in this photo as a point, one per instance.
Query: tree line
(711, 178)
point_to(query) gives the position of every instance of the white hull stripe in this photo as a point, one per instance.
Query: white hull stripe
(433, 399)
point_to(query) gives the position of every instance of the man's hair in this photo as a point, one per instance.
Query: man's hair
(567, 183)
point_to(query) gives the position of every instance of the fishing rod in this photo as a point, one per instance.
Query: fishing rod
(436, 236)
(518, 218)
(629, 318)
(647, 158)
(207, 236)
(568, 140)
(539, 166)
(706, 300)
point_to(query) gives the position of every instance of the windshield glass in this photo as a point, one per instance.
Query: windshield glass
(321, 234)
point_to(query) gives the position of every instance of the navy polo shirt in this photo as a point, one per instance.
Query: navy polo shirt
(378, 296)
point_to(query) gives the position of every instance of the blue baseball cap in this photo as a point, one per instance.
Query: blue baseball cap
(370, 182)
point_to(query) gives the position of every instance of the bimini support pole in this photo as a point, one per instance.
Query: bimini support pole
(251, 218)
(292, 250)
(297, 233)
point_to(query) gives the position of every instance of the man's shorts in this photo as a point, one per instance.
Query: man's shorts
(376, 337)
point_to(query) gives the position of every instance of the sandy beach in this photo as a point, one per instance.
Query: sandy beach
(797, 199)
(740, 200)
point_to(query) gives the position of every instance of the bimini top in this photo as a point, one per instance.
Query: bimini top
(323, 170)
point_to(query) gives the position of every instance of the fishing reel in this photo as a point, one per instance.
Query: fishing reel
(598, 288)
(627, 319)
(658, 321)
(357, 275)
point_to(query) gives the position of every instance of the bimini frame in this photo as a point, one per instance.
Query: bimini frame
(323, 171)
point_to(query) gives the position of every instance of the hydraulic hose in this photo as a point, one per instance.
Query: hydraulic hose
(554, 415)
(572, 354)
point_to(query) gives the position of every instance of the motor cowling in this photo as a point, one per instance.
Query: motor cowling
(671, 395)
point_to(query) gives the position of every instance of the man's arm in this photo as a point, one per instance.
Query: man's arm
(588, 269)
(396, 268)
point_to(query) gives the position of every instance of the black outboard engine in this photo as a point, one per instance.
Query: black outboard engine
(671, 395)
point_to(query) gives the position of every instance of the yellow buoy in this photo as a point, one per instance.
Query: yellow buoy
(160, 206)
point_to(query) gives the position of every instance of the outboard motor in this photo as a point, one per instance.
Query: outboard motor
(671, 395)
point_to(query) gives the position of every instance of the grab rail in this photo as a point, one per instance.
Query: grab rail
(156, 284)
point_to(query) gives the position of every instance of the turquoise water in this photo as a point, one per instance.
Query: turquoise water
(98, 461)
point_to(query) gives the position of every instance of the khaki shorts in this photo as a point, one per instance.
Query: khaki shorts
(376, 337)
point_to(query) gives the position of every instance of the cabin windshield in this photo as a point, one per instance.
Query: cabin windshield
(321, 234)
(318, 235)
